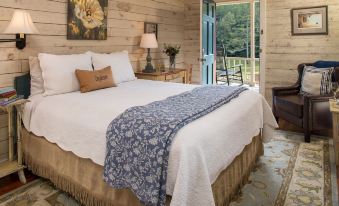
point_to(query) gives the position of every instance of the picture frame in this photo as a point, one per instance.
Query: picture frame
(150, 27)
(310, 21)
(87, 20)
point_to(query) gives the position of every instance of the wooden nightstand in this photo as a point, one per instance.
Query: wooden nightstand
(13, 165)
(167, 75)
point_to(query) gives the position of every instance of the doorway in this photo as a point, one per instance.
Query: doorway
(239, 27)
(208, 58)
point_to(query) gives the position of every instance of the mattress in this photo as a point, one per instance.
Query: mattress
(199, 152)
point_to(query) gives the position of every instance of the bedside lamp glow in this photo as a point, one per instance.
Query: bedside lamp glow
(149, 41)
(20, 25)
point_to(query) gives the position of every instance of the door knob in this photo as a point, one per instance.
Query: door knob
(202, 59)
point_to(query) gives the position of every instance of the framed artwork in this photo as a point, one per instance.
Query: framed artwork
(151, 28)
(87, 19)
(310, 21)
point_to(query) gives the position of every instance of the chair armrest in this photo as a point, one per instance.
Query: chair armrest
(280, 91)
(318, 98)
(234, 66)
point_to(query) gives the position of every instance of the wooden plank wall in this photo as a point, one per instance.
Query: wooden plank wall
(192, 37)
(285, 52)
(125, 26)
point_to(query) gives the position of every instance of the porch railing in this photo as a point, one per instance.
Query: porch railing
(250, 73)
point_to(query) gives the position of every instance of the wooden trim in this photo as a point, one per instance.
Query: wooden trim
(263, 36)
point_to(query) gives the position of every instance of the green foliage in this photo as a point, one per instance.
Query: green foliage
(233, 29)
(171, 50)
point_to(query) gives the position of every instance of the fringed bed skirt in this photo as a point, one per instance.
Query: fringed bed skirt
(83, 179)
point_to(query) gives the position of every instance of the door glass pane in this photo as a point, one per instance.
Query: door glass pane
(211, 40)
(205, 37)
(205, 8)
(212, 11)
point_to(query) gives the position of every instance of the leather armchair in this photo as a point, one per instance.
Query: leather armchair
(311, 113)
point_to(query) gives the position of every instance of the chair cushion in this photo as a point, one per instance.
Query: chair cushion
(292, 104)
(326, 64)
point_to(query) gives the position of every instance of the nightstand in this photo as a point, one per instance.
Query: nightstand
(166, 75)
(14, 165)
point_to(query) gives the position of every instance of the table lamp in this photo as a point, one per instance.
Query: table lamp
(20, 25)
(149, 41)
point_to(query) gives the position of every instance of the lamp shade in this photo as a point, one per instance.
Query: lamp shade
(21, 23)
(149, 41)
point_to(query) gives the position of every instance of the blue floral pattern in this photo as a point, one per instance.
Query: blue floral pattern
(139, 140)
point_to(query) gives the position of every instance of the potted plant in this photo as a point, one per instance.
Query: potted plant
(171, 51)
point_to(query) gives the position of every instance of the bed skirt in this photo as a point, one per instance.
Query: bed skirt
(83, 179)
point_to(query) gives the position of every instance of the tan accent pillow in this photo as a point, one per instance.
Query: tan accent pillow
(94, 80)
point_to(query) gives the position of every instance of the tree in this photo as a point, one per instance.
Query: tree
(233, 29)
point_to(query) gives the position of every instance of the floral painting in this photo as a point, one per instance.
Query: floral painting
(87, 19)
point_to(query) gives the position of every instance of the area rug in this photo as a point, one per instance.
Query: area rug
(290, 173)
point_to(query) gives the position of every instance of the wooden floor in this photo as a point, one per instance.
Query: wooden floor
(12, 182)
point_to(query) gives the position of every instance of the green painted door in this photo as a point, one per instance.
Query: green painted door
(208, 41)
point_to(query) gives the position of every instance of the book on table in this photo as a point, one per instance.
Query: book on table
(6, 90)
(8, 95)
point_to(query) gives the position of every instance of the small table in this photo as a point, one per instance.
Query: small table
(166, 75)
(335, 116)
(12, 165)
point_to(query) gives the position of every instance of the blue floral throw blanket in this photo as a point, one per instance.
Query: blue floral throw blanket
(139, 140)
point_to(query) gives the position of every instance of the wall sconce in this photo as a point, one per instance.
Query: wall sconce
(20, 25)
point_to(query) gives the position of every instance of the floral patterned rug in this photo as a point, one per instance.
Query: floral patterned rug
(290, 173)
(293, 173)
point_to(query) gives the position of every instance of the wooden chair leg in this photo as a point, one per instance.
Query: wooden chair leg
(242, 79)
(307, 136)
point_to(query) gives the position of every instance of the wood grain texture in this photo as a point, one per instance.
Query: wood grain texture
(285, 52)
(125, 26)
(192, 39)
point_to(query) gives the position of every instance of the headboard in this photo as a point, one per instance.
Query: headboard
(22, 84)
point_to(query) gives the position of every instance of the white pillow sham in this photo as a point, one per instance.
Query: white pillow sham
(58, 72)
(37, 82)
(119, 62)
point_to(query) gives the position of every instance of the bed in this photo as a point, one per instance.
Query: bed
(64, 141)
(66, 133)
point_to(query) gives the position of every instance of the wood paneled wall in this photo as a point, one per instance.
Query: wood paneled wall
(285, 52)
(192, 37)
(125, 26)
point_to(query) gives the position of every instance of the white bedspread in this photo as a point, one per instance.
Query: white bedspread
(201, 150)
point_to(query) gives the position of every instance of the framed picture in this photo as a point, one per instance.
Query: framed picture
(151, 28)
(310, 21)
(87, 19)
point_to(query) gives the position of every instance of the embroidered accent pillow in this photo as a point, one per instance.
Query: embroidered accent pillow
(94, 80)
(316, 81)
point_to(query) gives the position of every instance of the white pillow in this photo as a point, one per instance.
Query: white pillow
(58, 72)
(316, 81)
(37, 82)
(119, 62)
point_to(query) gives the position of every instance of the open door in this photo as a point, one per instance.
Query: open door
(208, 41)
